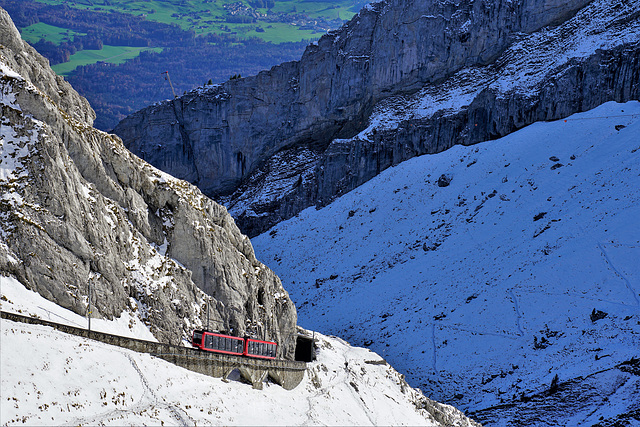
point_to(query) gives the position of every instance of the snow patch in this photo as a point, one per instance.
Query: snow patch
(20, 300)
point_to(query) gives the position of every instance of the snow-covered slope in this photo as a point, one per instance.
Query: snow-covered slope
(484, 290)
(51, 378)
(15, 298)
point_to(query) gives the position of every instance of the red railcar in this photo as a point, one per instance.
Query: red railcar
(226, 344)
(260, 349)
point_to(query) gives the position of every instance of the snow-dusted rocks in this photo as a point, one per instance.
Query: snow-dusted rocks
(20, 57)
(79, 211)
(489, 293)
(218, 138)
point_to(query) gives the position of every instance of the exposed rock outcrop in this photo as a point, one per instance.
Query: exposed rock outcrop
(588, 60)
(28, 63)
(217, 138)
(77, 210)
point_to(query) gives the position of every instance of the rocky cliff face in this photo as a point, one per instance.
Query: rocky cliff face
(232, 134)
(78, 210)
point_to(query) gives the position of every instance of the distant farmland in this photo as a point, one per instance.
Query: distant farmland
(114, 51)
(274, 21)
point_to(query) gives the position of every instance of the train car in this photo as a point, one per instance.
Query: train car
(260, 349)
(218, 343)
(226, 344)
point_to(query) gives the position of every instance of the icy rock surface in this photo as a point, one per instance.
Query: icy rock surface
(401, 79)
(78, 210)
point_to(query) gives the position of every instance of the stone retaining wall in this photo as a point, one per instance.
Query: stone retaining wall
(284, 372)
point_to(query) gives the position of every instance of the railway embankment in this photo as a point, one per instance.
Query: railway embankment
(286, 373)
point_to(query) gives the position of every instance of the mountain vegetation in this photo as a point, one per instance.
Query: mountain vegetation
(114, 52)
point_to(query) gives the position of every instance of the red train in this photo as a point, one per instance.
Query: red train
(226, 344)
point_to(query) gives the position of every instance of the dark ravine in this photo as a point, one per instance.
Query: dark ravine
(217, 138)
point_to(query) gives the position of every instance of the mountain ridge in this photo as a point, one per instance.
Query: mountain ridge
(475, 104)
(218, 137)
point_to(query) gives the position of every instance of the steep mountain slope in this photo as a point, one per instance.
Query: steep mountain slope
(443, 72)
(502, 278)
(79, 214)
(71, 380)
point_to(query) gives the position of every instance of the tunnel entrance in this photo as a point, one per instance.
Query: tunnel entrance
(305, 351)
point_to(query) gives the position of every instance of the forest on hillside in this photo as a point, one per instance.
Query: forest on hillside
(93, 30)
(139, 82)
(116, 90)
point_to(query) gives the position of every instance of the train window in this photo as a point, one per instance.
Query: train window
(197, 338)
(207, 341)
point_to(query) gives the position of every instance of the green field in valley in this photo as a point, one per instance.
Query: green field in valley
(56, 35)
(273, 21)
(197, 41)
(112, 54)
(302, 19)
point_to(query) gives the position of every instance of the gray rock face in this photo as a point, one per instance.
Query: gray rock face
(34, 67)
(77, 210)
(584, 61)
(216, 138)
